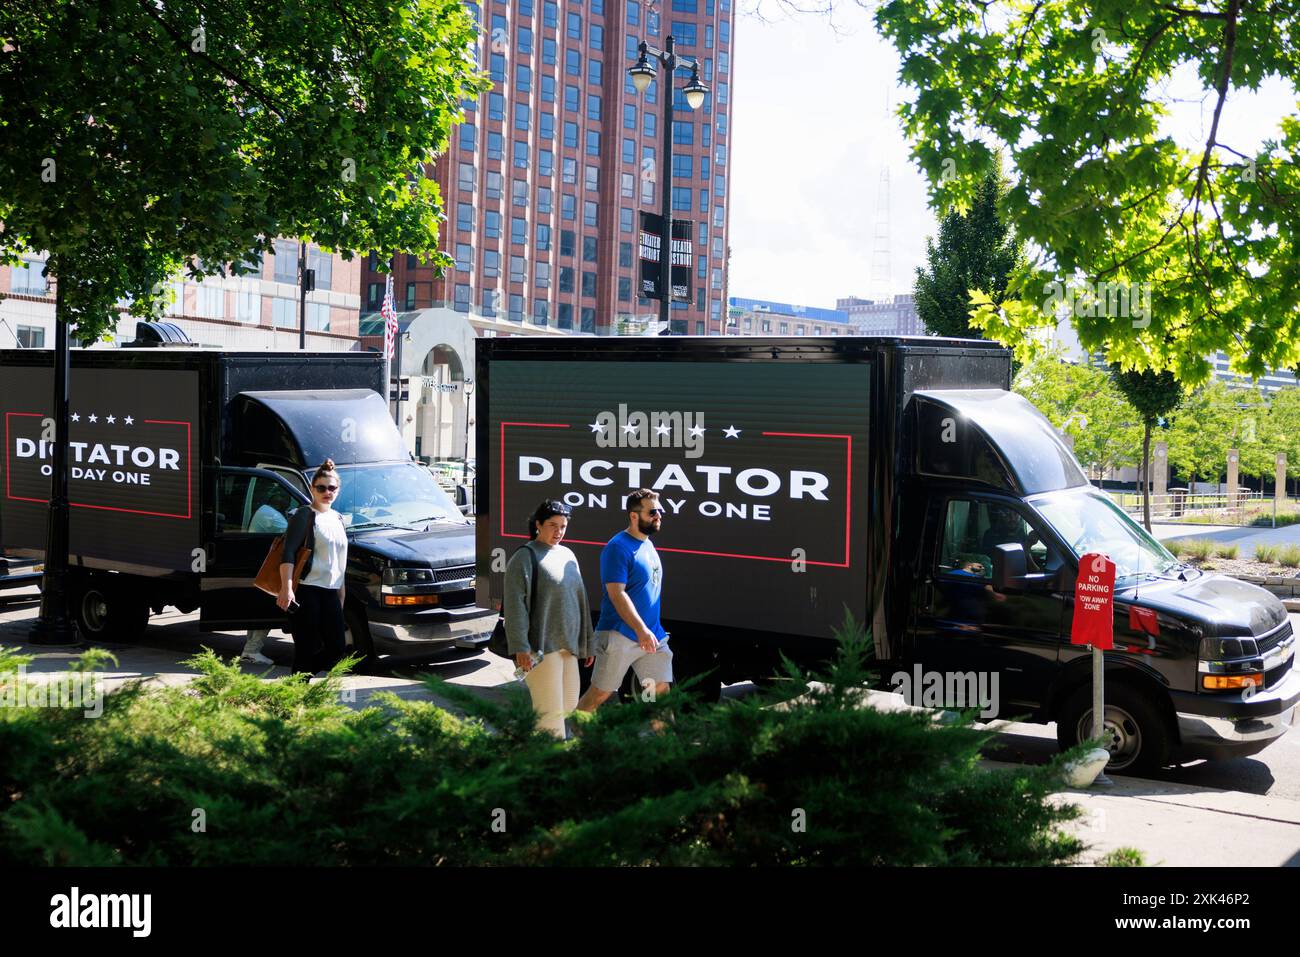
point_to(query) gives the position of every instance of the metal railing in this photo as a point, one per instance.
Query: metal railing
(1244, 507)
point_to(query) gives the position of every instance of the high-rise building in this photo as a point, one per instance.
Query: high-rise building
(544, 181)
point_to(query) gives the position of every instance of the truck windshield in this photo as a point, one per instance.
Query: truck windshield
(1088, 521)
(399, 494)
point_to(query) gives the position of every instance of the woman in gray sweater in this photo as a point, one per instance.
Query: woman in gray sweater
(548, 629)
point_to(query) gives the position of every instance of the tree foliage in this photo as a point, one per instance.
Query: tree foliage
(1074, 92)
(975, 251)
(1213, 419)
(138, 139)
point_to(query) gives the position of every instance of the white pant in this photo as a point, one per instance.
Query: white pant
(553, 685)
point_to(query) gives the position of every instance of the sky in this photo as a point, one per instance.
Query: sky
(813, 127)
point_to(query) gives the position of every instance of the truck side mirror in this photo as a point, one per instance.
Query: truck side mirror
(1008, 566)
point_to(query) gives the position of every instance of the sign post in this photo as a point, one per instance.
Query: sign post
(1094, 624)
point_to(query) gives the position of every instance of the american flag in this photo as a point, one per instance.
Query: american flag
(390, 319)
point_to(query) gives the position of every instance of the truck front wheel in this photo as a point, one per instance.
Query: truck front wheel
(105, 612)
(1136, 733)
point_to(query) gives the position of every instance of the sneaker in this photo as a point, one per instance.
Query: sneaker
(257, 658)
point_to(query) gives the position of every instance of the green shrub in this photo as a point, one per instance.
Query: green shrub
(1266, 554)
(1225, 551)
(1122, 857)
(284, 773)
(1195, 548)
(1289, 556)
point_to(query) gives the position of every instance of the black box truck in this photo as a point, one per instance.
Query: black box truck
(896, 478)
(182, 467)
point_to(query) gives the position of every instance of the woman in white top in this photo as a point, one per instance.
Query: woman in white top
(316, 607)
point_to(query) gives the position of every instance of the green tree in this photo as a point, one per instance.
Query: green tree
(975, 251)
(1203, 430)
(1283, 427)
(1074, 93)
(1154, 396)
(138, 139)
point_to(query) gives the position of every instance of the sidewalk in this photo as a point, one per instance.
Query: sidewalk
(1171, 824)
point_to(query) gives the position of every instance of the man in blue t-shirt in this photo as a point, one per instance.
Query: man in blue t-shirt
(629, 634)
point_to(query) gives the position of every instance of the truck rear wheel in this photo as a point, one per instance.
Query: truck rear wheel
(1137, 735)
(357, 639)
(107, 612)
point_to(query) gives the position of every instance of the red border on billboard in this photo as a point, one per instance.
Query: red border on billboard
(189, 473)
(848, 498)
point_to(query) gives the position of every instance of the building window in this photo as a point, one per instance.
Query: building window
(708, 69)
(649, 122)
(591, 178)
(708, 36)
(573, 63)
(571, 98)
(545, 163)
(589, 249)
(566, 279)
(574, 24)
(462, 297)
(542, 275)
(543, 238)
(522, 118)
(567, 242)
(717, 280)
(524, 41)
(374, 296)
(624, 255)
(548, 54)
(497, 63)
(521, 155)
(629, 150)
(706, 135)
(548, 89)
(625, 220)
(593, 107)
(724, 61)
(519, 192)
(648, 191)
(569, 171)
(589, 284)
(284, 313)
(28, 277)
(719, 185)
(717, 217)
(593, 142)
(627, 185)
(489, 302)
(624, 289)
(516, 308)
(518, 230)
(595, 74)
(566, 316)
(517, 270)
(286, 262)
(683, 166)
(589, 213)
(464, 257)
(543, 199)
(588, 319)
(491, 262)
(492, 225)
(494, 181)
(704, 168)
(682, 198)
(571, 134)
(496, 146)
(410, 296)
(31, 337)
(724, 31)
(466, 177)
(684, 33)
(629, 116)
(550, 13)
(652, 92)
(568, 207)
(683, 132)
(210, 301)
(597, 37)
(633, 13)
(496, 106)
(704, 201)
(540, 307)
(699, 326)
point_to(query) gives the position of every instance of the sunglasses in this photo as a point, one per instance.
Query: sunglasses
(654, 511)
(326, 488)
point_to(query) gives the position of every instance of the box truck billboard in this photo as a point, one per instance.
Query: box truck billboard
(897, 479)
(172, 453)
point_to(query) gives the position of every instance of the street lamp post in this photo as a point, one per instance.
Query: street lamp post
(642, 73)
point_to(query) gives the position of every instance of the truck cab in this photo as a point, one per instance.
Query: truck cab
(1001, 514)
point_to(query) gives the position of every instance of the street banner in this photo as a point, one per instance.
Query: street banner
(683, 262)
(1094, 612)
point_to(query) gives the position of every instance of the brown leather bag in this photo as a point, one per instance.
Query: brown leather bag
(268, 576)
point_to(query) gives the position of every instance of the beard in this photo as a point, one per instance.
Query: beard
(647, 528)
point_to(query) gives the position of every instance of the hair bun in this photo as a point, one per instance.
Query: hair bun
(327, 465)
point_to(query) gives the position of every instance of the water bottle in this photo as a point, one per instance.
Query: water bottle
(535, 657)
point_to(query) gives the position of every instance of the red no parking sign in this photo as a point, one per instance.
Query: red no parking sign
(1094, 612)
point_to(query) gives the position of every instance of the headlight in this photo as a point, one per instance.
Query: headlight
(394, 575)
(1217, 649)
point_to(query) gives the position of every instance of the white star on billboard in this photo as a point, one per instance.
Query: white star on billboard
(731, 432)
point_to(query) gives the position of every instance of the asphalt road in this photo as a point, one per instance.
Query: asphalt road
(172, 637)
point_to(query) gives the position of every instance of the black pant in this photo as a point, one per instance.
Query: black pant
(317, 628)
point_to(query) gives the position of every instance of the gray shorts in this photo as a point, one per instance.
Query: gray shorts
(615, 652)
